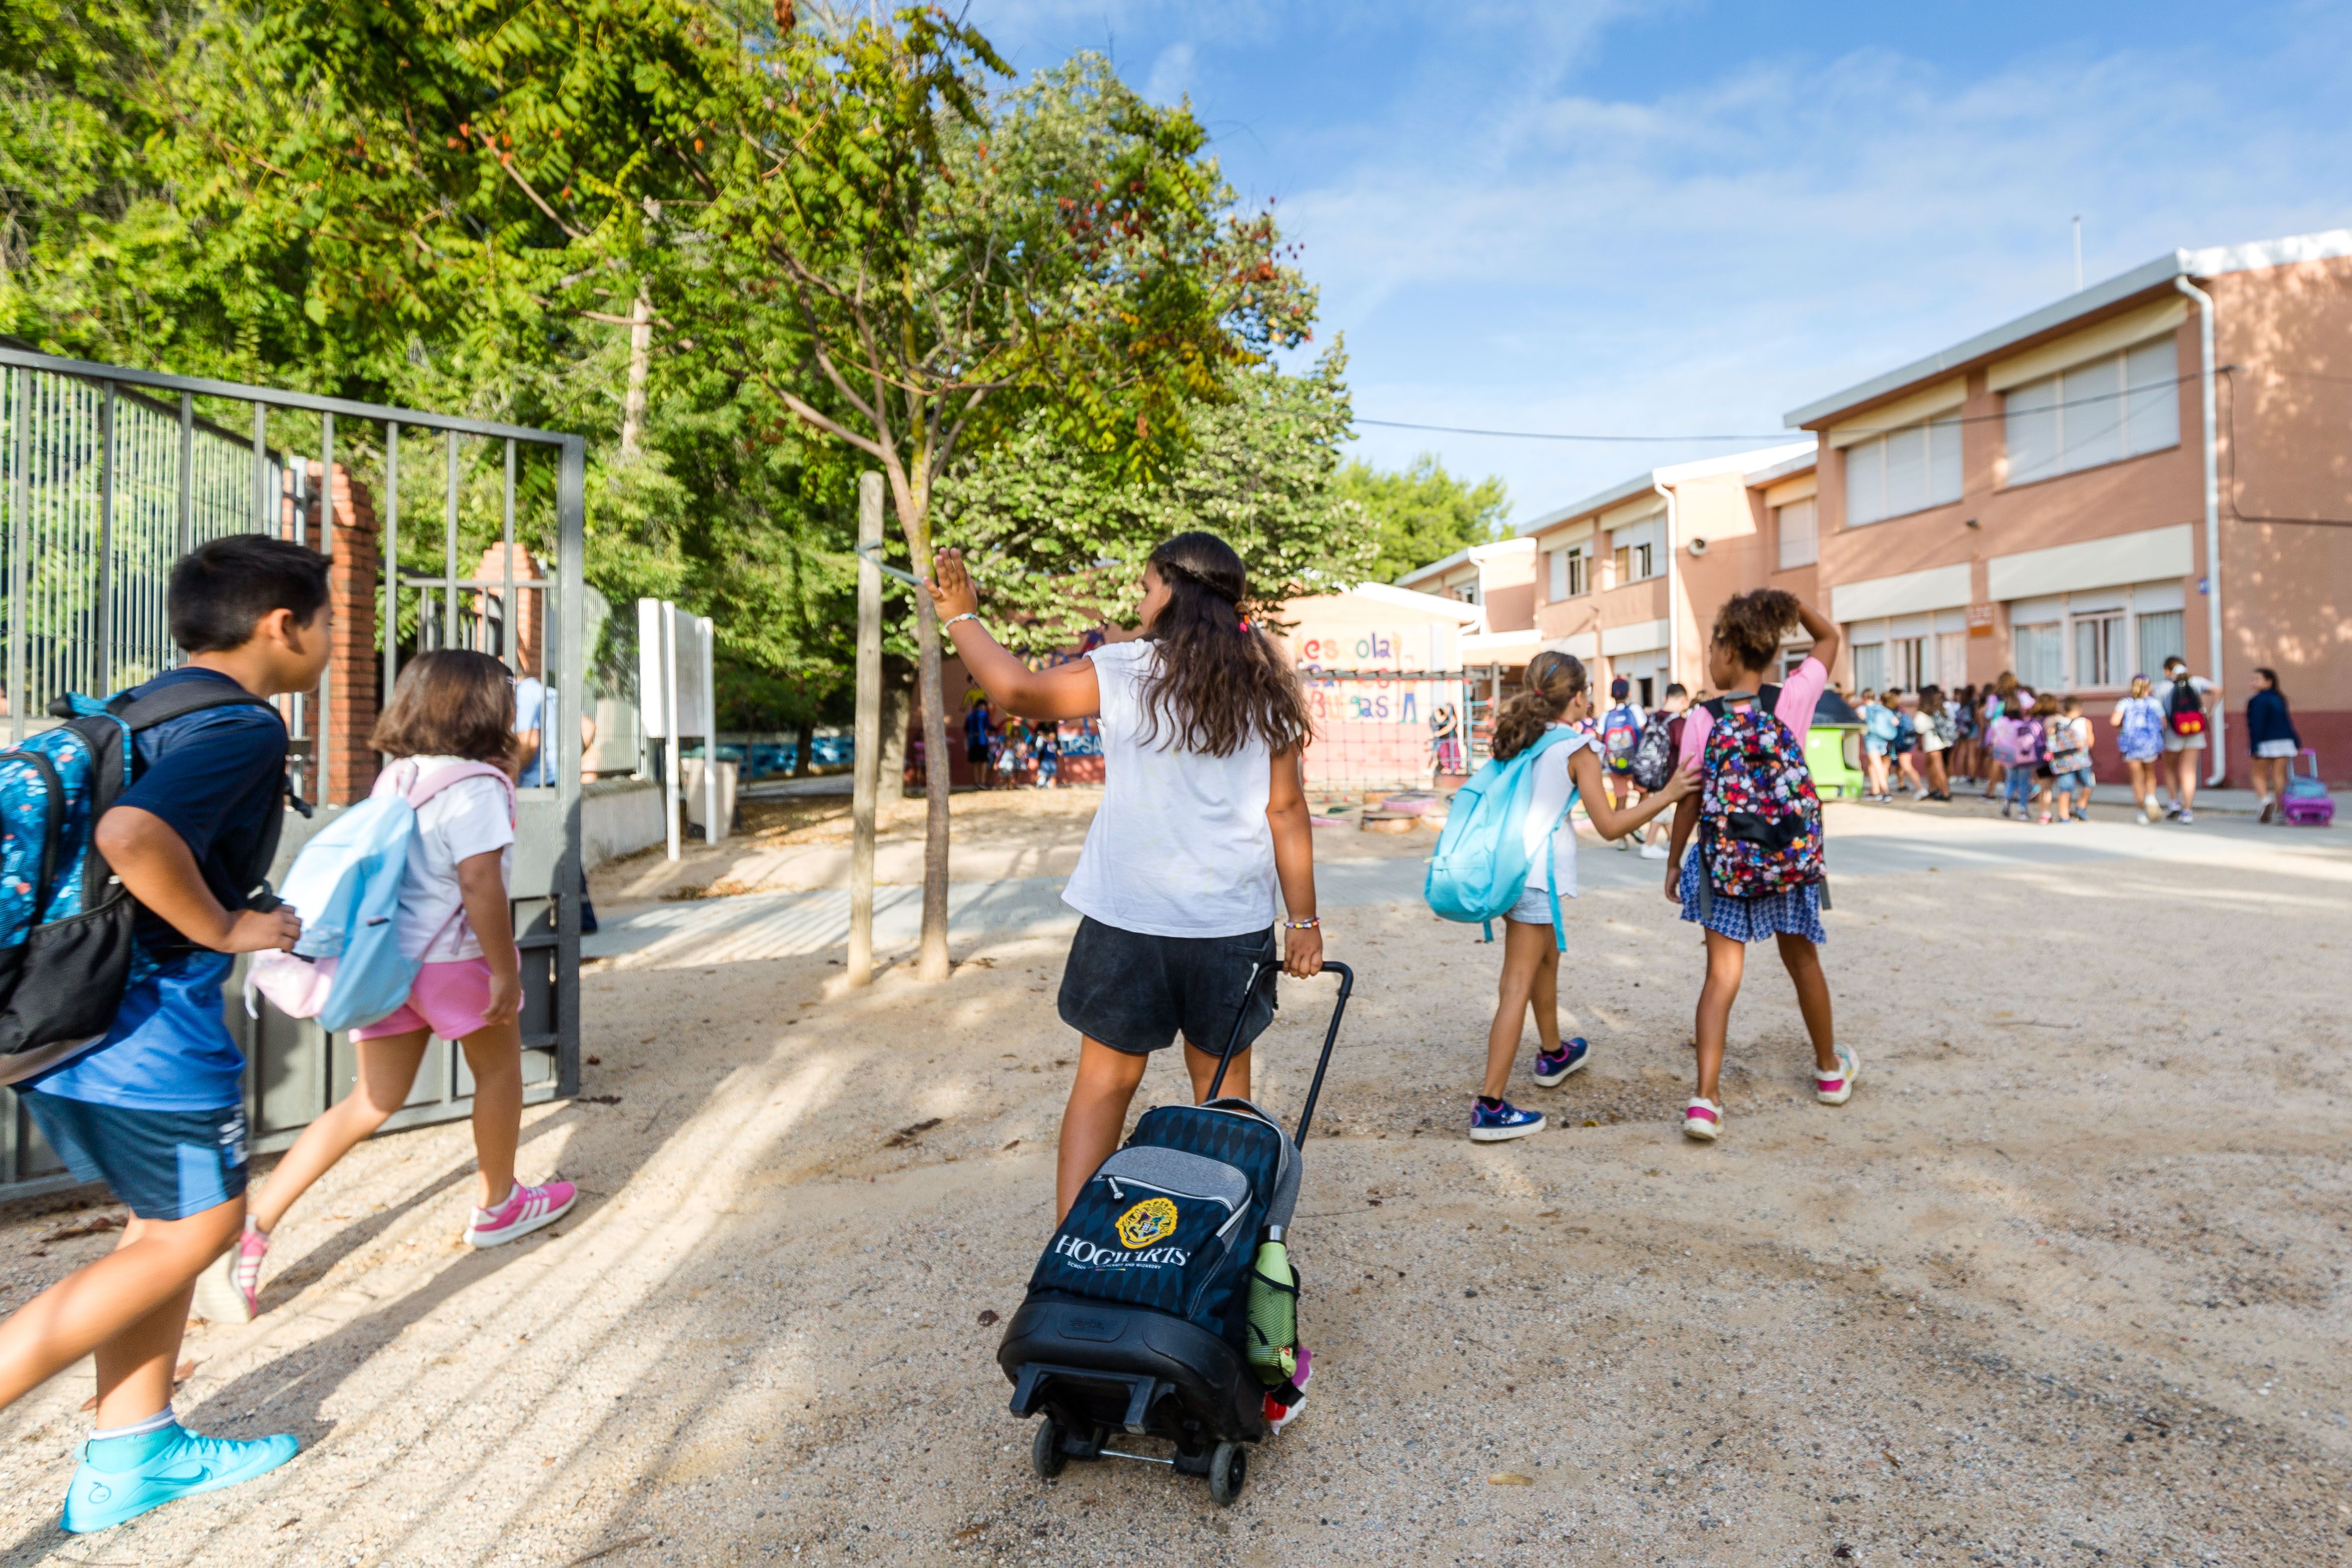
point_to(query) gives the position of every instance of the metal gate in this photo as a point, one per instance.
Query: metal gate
(109, 473)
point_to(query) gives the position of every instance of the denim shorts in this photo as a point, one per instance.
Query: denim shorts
(165, 1165)
(2079, 781)
(1136, 993)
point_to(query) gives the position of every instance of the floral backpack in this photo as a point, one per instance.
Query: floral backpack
(1759, 819)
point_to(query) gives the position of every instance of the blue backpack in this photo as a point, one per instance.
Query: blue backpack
(67, 951)
(1481, 865)
(347, 971)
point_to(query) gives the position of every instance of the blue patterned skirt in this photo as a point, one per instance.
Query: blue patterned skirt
(1797, 912)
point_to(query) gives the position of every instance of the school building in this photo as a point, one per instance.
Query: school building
(2158, 464)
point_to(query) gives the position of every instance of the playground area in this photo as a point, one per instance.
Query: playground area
(2061, 1284)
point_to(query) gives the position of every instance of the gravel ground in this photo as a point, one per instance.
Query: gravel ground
(2063, 1284)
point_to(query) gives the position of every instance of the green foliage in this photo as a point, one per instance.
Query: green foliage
(1057, 537)
(1422, 513)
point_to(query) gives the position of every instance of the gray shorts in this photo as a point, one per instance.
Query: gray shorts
(1533, 907)
(2183, 742)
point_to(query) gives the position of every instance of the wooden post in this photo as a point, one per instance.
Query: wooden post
(866, 743)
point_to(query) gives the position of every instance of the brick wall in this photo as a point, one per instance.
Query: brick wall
(356, 669)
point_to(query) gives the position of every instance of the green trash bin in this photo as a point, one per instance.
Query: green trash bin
(1833, 750)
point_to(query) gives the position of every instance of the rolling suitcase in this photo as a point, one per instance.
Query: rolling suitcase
(1137, 1319)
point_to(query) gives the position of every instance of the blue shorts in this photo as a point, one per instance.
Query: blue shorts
(2078, 781)
(166, 1165)
(1877, 746)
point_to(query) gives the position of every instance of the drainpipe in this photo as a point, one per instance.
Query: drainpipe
(1674, 609)
(2220, 769)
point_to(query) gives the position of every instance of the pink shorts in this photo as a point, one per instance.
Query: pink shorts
(448, 999)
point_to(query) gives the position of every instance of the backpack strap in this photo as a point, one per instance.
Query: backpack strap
(180, 699)
(423, 788)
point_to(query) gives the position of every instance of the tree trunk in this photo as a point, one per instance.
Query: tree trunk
(641, 353)
(897, 692)
(803, 749)
(932, 964)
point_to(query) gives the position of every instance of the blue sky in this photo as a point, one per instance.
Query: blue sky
(1684, 217)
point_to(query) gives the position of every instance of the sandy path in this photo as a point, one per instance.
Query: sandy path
(2064, 1283)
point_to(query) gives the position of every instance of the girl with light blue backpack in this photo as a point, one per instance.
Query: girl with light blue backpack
(1509, 852)
(426, 953)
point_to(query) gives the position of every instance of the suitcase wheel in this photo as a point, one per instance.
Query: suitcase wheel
(1046, 1454)
(1228, 1469)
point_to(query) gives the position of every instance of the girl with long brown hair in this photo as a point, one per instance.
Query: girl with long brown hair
(1203, 830)
(1552, 698)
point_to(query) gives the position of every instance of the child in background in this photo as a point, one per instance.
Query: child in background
(1740, 655)
(1879, 724)
(2070, 760)
(1049, 755)
(154, 1107)
(1907, 739)
(1678, 704)
(2140, 736)
(2017, 748)
(1937, 733)
(449, 708)
(2046, 715)
(1968, 737)
(1620, 736)
(1999, 702)
(1552, 694)
(1203, 829)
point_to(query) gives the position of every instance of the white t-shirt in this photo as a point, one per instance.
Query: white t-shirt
(1179, 846)
(469, 817)
(1552, 788)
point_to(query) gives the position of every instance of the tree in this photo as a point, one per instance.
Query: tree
(948, 270)
(1058, 539)
(1422, 513)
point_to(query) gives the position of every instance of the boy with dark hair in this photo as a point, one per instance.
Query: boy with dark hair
(154, 1107)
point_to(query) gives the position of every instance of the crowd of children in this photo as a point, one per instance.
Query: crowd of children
(154, 1106)
(1002, 753)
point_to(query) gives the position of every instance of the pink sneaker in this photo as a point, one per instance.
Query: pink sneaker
(230, 1291)
(525, 1210)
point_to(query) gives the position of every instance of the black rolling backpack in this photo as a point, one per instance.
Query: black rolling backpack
(1137, 1317)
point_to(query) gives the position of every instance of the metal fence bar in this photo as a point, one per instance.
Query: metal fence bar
(20, 536)
(572, 549)
(510, 614)
(105, 605)
(323, 728)
(391, 556)
(186, 538)
(449, 555)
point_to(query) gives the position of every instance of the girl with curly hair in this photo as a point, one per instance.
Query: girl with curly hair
(1744, 648)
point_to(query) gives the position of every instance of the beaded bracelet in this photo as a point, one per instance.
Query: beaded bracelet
(967, 615)
(1309, 924)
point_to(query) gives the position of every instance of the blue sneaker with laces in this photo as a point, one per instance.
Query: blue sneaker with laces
(1552, 1066)
(122, 1478)
(1493, 1122)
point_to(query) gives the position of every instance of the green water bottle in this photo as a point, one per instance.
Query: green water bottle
(1273, 1310)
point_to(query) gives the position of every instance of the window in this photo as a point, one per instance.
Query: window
(1952, 660)
(1632, 562)
(1869, 665)
(1467, 592)
(2115, 406)
(1902, 471)
(2100, 657)
(1908, 656)
(2038, 655)
(2095, 639)
(1567, 573)
(2159, 639)
(1799, 542)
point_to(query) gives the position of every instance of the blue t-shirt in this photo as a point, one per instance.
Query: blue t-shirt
(215, 777)
(534, 705)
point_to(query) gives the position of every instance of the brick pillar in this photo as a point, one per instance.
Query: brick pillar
(525, 616)
(356, 582)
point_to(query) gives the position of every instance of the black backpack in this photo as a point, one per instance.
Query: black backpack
(67, 925)
(1653, 756)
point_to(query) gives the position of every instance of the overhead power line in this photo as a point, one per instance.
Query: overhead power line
(1548, 435)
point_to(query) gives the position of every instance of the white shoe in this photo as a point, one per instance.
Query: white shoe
(1654, 852)
(1834, 1085)
(2142, 817)
(1703, 1119)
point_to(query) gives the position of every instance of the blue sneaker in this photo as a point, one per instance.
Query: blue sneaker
(1551, 1066)
(1501, 1120)
(122, 1478)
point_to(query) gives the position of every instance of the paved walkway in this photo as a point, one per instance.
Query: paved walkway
(1864, 842)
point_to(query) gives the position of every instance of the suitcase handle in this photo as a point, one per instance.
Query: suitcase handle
(1330, 1038)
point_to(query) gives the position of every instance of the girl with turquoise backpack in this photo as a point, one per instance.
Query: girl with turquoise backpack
(1508, 853)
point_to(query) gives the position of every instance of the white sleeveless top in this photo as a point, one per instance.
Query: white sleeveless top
(1179, 846)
